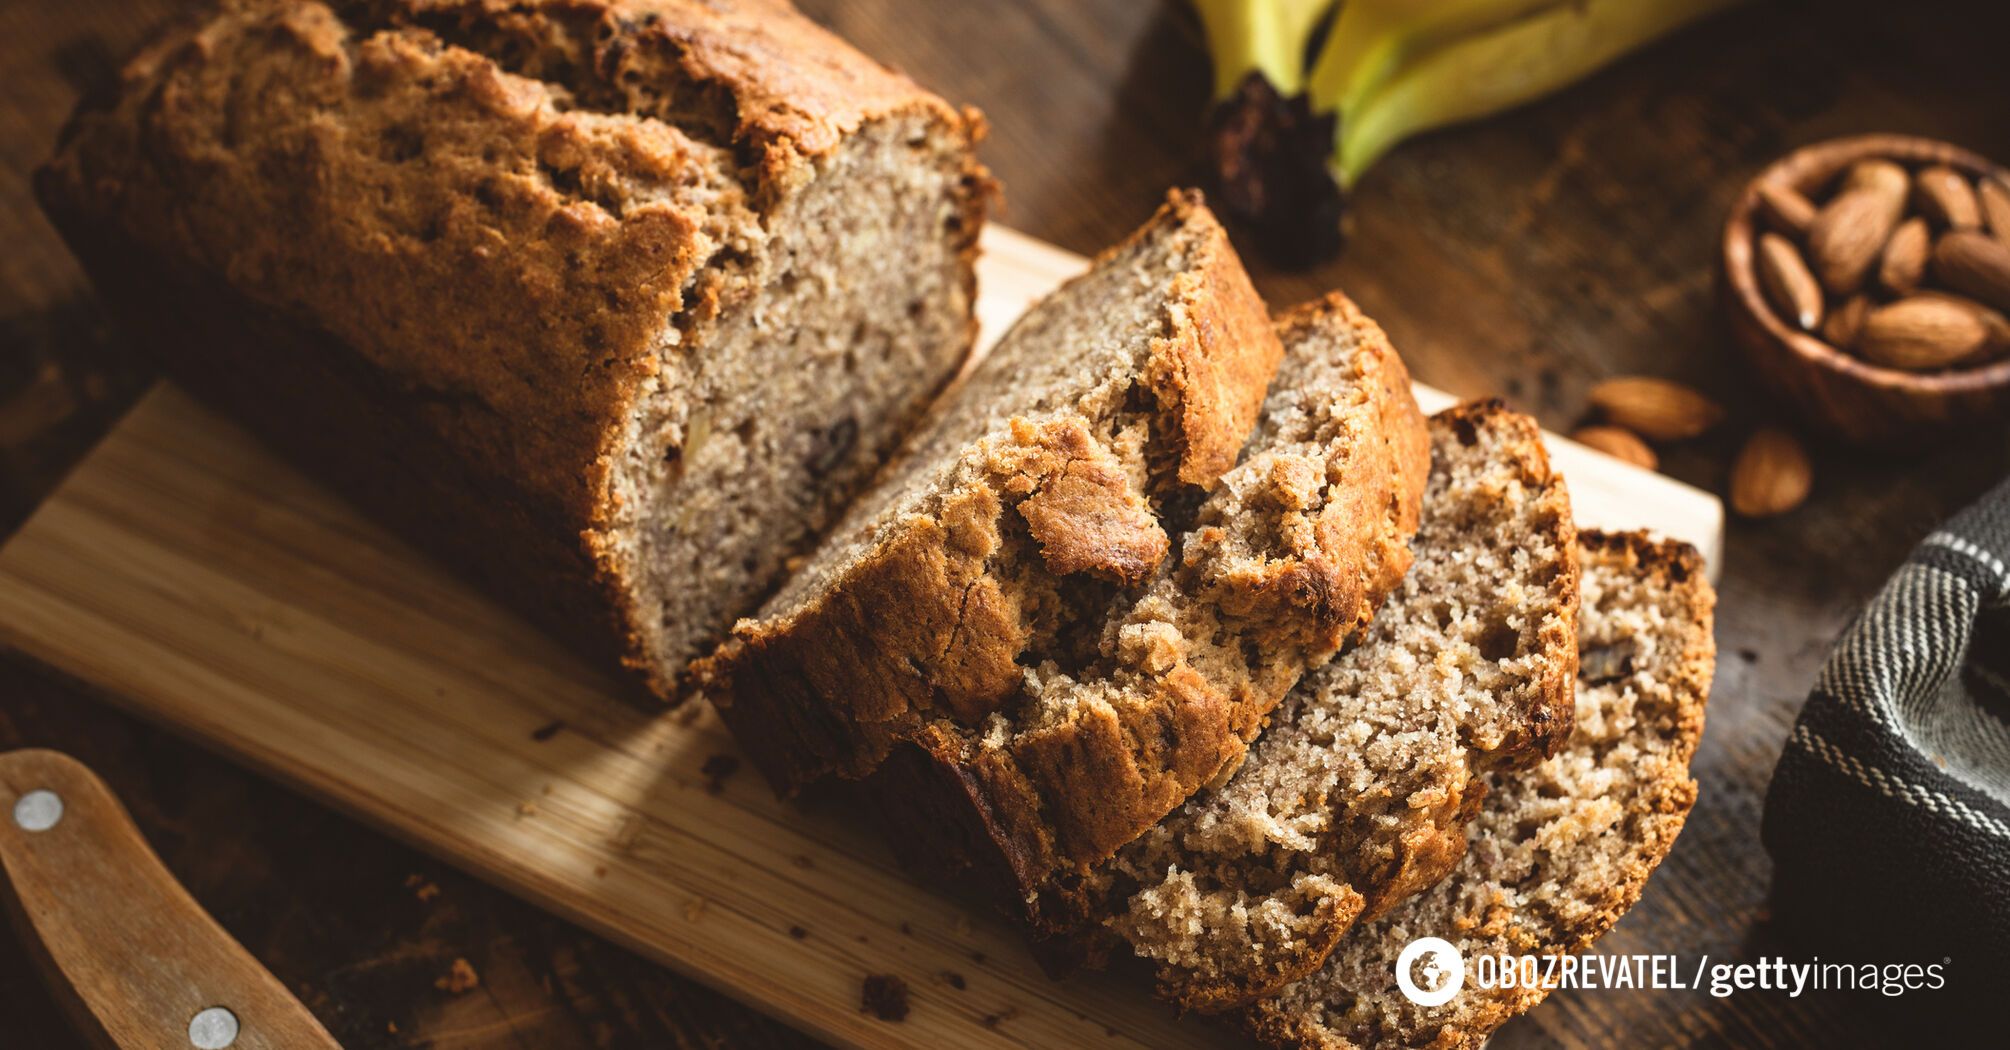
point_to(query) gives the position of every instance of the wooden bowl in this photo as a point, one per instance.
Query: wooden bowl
(1842, 394)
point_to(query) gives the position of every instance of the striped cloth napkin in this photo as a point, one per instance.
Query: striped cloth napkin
(1888, 818)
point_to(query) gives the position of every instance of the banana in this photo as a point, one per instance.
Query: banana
(1372, 38)
(1388, 69)
(1444, 77)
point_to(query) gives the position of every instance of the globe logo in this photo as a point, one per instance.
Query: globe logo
(1430, 971)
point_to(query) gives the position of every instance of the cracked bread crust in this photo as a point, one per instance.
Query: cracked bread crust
(1090, 728)
(440, 275)
(1358, 794)
(1560, 852)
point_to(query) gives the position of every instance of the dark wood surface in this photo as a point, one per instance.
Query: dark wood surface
(1528, 256)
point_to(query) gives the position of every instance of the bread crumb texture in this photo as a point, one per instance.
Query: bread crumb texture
(1358, 793)
(1560, 851)
(1067, 609)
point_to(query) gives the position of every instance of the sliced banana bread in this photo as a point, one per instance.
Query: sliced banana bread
(1561, 851)
(612, 304)
(1037, 641)
(1358, 794)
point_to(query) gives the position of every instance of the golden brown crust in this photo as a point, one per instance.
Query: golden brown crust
(1211, 372)
(505, 256)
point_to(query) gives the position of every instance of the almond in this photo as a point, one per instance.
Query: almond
(1789, 285)
(1994, 322)
(1845, 322)
(1975, 265)
(1904, 261)
(1850, 230)
(1786, 209)
(1994, 198)
(1921, 333)
(1946, 198)
(1619, 443)
(1771, 475)
(1656, 409)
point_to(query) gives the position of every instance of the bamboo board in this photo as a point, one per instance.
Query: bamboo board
(203, 585)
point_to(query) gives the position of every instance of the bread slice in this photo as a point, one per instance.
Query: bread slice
(611, 304)
(1561, 851)
(1358, 794)
(1035, 644)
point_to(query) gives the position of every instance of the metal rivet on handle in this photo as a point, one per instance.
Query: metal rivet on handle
(212, 1029)
(38, 810)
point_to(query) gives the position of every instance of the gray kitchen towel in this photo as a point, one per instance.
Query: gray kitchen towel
(1888, 818)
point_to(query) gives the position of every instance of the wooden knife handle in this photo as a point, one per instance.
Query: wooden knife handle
(132, 957)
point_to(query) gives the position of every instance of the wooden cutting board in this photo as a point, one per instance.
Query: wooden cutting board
(204, 585)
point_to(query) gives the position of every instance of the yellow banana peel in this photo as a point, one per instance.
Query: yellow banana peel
(1388, 69)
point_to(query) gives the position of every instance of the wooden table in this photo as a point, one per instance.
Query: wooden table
(1529, 257)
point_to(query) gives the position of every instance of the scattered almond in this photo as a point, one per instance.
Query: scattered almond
(1945, 197)
(1903, 264)
(1786, 209)
(1656, 409)
(1849, 232)
(1994, 198)
(1845, 322)
(1789, 285)
(1619, 443)
(1922, 333)
(1771, 475)
(1975, 265)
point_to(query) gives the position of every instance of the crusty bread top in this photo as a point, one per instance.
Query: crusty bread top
(1358, 793)
(1560, 851)
(508, 232)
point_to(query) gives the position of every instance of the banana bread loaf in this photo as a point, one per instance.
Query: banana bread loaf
(1358, 793)
(1034, 640)
(1561, 851)
(612, 304)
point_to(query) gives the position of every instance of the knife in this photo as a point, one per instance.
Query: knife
(130, 956)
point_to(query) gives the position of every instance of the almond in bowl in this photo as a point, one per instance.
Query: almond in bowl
(1868, 280)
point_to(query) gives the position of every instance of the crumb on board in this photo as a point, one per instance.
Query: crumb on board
(600, 871)
(716, 769)
(460, 978)
(906, 929)
(526, 809)
(694, 908)
(546, 731)
(955, 980)
(427, 892)
(547, 789)
(884, 996)
(798, 932)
